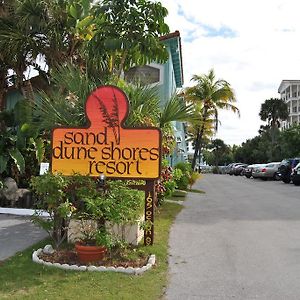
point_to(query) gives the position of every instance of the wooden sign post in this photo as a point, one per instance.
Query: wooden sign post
(107, 147)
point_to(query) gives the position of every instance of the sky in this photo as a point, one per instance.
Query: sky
(253, 45)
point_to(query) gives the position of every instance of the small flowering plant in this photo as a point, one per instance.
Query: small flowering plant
(166, 185)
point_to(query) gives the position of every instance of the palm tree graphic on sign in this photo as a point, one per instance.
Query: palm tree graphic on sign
(111, 119)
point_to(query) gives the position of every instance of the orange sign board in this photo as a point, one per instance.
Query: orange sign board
(106, 146)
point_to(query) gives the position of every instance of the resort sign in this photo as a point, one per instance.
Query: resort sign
(106, 146)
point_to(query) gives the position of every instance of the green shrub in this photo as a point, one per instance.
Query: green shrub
(193, 178)
(66, 197)
(186, 169)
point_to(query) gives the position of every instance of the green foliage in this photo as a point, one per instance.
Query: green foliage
(53, 198)
(118, 204)
(260, 149)
(218, 154)
(177, 174)
(194, 176)
(289, 141)
(176, 110)
(186, 169)
(170, 186)
(127, 35)
(20, 149)
(273, 110)
(79, 197)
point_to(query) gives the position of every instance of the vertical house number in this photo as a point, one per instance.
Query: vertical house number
(149, 218)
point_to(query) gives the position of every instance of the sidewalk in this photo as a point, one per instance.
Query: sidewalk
(183, 249)
(17, 232)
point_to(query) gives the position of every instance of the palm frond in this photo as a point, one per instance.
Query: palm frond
(176, 110)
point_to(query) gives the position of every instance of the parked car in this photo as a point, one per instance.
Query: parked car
(267, 171)
(285, 168)
(295, 175)
(238, 169)
(231, 167)
(257, 169)
(248, 170)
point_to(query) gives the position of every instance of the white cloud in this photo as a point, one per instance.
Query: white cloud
(260, 50)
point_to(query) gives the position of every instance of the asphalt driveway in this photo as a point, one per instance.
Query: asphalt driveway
(16, 234)
(240, 240)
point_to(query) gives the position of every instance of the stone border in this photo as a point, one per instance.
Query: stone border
(129, 270)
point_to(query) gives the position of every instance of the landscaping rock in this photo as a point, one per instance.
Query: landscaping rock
(48, 249)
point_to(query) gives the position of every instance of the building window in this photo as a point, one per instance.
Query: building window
(144, 74)
(295, 109)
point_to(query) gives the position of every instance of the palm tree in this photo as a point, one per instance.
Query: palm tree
(273, 110)
(19, 43)
(65, 105)
(209, 95)
(54, 30)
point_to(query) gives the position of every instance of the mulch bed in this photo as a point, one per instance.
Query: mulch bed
(70, 257)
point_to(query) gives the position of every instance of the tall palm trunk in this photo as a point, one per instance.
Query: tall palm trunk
(24, 86)
(273, 128)
(199, 138)
(27, 90)
(196, 148)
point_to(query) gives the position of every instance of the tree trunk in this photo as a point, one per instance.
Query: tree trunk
(198, 142)
(27, 90)
(121, 67)
(196, 148)
(273, 128)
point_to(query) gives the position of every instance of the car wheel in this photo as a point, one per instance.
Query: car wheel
(296, 183)
(286, 180)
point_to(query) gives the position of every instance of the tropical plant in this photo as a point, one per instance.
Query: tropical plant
(186, 169)
(167, 183)
(194, 176)
(78, 197)
(127, 33)
(289, 141)
(273, 110)
(209, 95)
(219, 151)
(20, 149)
(53, 198)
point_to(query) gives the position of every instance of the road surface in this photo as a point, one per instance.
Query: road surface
(239, 240)
(16, 234)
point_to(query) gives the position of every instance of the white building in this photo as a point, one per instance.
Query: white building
(289, 91)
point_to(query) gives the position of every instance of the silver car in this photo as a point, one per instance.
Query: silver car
(266, 171)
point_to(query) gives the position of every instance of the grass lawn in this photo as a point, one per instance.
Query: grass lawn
(20, 278)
